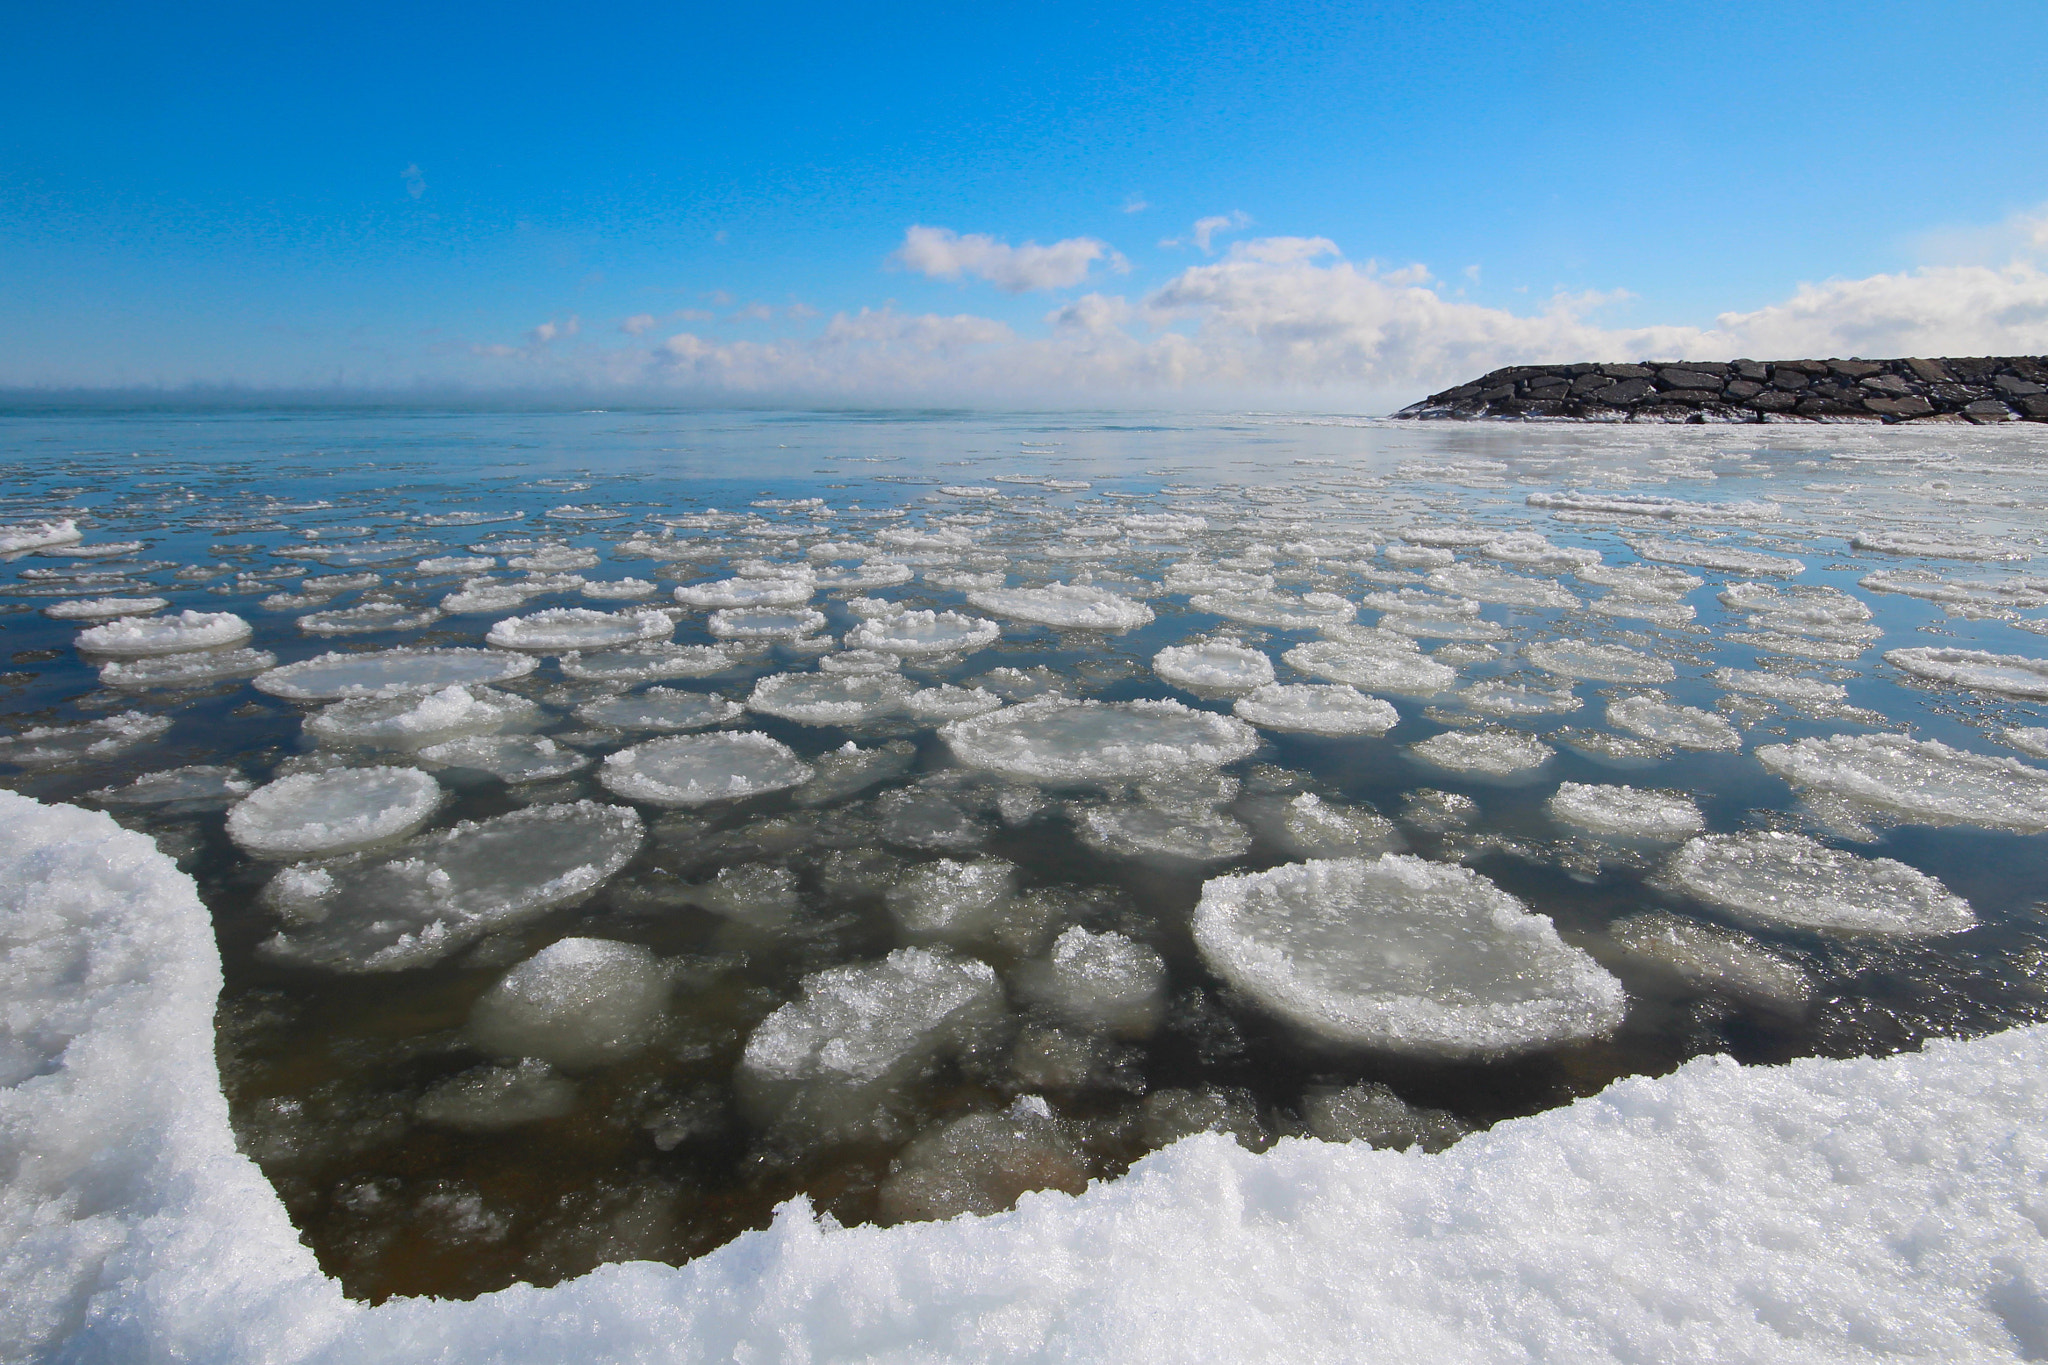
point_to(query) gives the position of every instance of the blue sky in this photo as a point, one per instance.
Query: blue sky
(427, 193)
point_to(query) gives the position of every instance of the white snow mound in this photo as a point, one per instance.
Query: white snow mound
(135, 1229)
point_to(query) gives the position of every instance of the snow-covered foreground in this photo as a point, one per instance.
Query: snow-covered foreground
(1821, 1211)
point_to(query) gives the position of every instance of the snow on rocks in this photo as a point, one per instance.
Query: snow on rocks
(1682, 727)
(136, 637)
(695, 770)
(391, 673)
(1103, 983)
(320, 814)
(1213, 666)
(1057, 740)
(578, 1002)
(1919, 781)
(2012, 675)
(1317, 709)
(1484, 753)
(1402, 955)
(104, 608)
(924, 632)
(1069, 606)
(660, 708)
(509, 758)
(434, 896)
(840, 1061)
(560, 630)
(416, 722)
(1585, 661)
(831, 698)
(52, 746)
(1626, 812)
(1375, 667)
(1783, 880)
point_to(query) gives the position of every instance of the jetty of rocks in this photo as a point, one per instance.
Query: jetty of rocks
(1981, 389)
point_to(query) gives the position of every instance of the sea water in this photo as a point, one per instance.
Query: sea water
(616, 823)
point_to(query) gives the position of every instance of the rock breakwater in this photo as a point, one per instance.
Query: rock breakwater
(1983, 389)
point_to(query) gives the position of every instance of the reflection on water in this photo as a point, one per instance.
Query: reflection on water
(871, 864)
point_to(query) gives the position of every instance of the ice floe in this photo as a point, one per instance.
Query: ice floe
(1213, 666)
(840, 1062)
(51, 746)
(1057, 740)
(1708, 957)
(1789, 880)
(1484, 753)
(1375, 667)
(1626, 812)
(2012, 675)
(136, 637)
(104, 608)
(1919, 781)
(509, 758)
(924, 632)
(1403, 955)
(648, 663)
(1589, 662)
(831, 698)
(1074, 606)
(416, 722)
(764, 623)
(577, 1002)
(695, 770)
(436, 895)
(660, 708)
(1683, 727)
(1100, 982)
(560, 630)
(186, 670)
(391, 673)
(1317, 709)
(338, 810)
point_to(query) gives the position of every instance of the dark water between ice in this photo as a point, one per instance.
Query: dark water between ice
(655, 1157)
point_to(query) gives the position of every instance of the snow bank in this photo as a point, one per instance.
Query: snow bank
(1827, 1210)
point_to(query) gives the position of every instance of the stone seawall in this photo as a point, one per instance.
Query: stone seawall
(1983, 389)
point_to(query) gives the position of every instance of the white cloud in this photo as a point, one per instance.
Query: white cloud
(944, 254)
(551, 330)
(1205, 230)
(1135, 204)
(754, 312)
(1288, 318)
(1936, 310)
(637, 324)
(415, 183)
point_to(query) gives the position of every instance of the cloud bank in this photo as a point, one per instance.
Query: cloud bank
(1289, 319)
